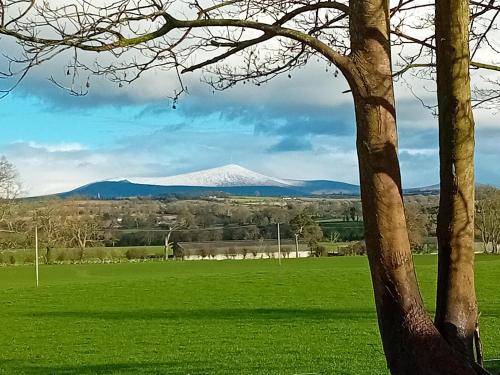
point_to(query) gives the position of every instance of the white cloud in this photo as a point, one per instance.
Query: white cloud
(419, 151)
(54, 169)
(57, 147)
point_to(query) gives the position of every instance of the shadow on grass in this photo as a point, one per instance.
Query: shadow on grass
(86, 369)
(150, 368)
(217, 314)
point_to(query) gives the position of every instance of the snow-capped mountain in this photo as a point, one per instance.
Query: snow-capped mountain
(227, 175)
(229, 179)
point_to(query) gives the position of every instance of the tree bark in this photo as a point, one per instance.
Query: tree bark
(411, 342)
(456, 308)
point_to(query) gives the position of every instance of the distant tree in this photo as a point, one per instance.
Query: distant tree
(275, 215)
(334, 236)
(297, 225)
(233, 252)
(179, 251)
(305, 227)
(313, 234)
(241, 215)
(353, 214)
(487, 218)
(251, 232)
(206, 219)
(254, 252)
(80, 228)
(216, 234)
(171, 228)
(286, 251)
(212, 252)
(268, 250)
(317, 250)
(356, 248)
(258, 218)
(186, 216)
(9, 180)
(203, 253)
(416, 222)
(9, 190)
(51, 227)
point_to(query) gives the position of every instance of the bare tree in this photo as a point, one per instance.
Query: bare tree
(334, 236)
(488, 218)
(413, 24)
(305, 227)
(416, 222)
(271, 37)
(9, 191)
(241, 214)
(178, 224)
(50, 228)
(298, 225)
(81, 229)
(171, 229)
(9, 179)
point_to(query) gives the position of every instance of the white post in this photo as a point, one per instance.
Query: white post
(279, 244)
(36, 255)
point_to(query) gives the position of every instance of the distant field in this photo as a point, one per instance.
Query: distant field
(309, 316)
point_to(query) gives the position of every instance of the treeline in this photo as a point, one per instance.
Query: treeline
(230, 232)
(223, 233)
(87, 223)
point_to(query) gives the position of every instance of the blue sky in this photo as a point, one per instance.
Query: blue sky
(300, 128)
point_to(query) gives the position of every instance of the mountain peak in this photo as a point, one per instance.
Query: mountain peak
(230, 168)
(226, 175)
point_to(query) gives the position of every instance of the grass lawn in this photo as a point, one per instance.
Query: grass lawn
(309, 316)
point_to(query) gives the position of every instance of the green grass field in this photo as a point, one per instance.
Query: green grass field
(309, 316)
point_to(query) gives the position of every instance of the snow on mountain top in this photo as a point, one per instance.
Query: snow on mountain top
(228, 175)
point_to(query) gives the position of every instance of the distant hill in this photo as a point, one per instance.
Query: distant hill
(127, 189)
(432, 189)
(230, 179)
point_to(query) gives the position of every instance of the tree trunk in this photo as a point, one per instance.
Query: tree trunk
(82, 243)
(296, 245)
(456, 308)
(167, 244)
(411, 342)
